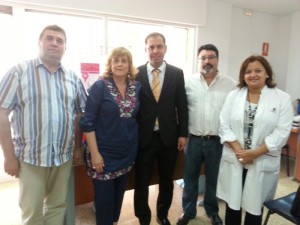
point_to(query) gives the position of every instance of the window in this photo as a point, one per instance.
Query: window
(89, 38)
(132, 35)
(85, 36)
(7, 40)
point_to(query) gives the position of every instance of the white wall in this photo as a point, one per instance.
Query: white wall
(248, 34)
(238, 36)
(283, 51)
(293, 70)
(217, 31)
(189, 12)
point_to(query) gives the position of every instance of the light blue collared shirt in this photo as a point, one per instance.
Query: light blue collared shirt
(44, 106)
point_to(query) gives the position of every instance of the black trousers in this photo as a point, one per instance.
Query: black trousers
(165, 158)
(109, 196)
(234, 217)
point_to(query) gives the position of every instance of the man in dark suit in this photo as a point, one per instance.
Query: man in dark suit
(163, 128)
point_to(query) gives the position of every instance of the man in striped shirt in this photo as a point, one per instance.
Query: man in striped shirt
(45, 100)
(206, 92)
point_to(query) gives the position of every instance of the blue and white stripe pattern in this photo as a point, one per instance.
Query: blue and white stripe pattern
(44, 106)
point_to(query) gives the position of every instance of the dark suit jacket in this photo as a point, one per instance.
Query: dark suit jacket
(171, 109)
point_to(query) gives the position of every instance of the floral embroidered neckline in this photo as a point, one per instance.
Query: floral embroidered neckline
(126, 104)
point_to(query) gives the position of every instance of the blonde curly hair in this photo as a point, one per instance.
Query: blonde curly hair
(120, 52)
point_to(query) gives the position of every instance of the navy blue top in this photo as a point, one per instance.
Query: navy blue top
(114, 121)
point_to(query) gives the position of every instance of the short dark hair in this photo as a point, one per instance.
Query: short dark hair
(155, 34)
(264, 62)
(55, 28)
(209, 47)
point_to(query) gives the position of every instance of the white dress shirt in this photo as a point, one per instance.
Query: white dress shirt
(205, 102)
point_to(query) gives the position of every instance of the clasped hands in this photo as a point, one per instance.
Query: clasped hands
(245, 156)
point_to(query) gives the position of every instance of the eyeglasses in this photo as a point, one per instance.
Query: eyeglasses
(208, 57)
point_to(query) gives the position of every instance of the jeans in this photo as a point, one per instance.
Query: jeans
(201, 150)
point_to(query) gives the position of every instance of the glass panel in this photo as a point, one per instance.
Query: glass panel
(6, 43)
(85, 37)
(132, 36)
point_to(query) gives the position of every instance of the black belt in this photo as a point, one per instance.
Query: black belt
(156, 131)
(205, 137)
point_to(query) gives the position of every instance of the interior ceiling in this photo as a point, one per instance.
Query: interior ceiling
(275, 7)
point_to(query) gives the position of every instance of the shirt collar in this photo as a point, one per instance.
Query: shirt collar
(215, 78)
(38, 62)
(162, 67)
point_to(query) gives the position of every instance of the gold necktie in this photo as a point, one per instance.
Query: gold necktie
(156, 84)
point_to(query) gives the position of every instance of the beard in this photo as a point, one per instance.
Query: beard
(207, 70)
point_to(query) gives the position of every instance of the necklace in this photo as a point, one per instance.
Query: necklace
(251, 111)
(249, 125)
(251, 108)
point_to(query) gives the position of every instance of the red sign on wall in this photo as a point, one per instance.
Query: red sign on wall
(87, 69)
(265, 49)
(90, 68)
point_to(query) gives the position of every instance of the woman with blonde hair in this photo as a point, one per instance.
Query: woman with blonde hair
(111, 131)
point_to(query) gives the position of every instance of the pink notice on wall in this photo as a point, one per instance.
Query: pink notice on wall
(265, 49)
(88, 69)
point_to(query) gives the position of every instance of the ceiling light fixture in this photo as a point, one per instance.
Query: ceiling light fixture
(248, 12)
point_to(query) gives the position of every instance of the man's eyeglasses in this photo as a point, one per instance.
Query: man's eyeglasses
(208, 57)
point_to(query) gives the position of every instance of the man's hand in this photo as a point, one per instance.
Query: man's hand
(12, 166)
(181, 143)
(78, 158)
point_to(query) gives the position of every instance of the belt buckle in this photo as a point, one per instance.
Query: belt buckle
(206, 137)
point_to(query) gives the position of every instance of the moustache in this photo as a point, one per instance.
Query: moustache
(208, 67)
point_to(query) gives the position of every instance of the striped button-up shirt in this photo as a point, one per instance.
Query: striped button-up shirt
(205, 102)
(44, 106)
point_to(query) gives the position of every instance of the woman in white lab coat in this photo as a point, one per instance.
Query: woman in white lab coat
(255, 123)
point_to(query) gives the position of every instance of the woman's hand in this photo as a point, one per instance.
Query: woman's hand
(97, 162)
(246, 156)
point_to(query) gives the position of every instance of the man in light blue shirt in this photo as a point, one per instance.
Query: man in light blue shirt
(45, 100)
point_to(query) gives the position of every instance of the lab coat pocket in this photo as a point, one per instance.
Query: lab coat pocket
(268, 163)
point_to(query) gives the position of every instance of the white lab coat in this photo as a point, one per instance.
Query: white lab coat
(272, 125)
